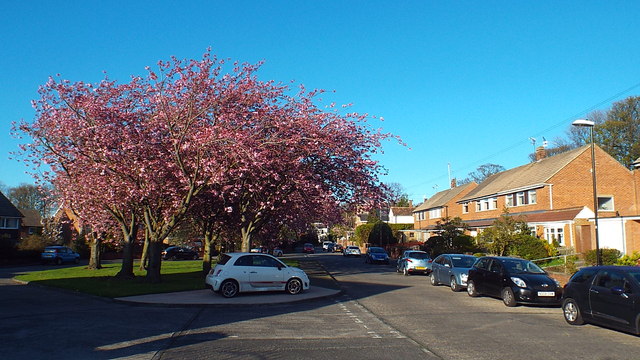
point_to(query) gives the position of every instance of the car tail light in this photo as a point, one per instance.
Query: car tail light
(218, 272)
(429, 261)
(409, 260)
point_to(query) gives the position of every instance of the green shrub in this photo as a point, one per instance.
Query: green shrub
(530, 248)
(608, 256)
(629, 260)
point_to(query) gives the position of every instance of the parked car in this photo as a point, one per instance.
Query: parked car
(277, 251)
(337, 247)
(351, 250)
(179, 253)
(604, 295)
(326, 244)
(244, 272)
(414, 262)
(376, 255)
(260, 249)
(59, 255)
(516, 281)
(308, 248)
(452, 269)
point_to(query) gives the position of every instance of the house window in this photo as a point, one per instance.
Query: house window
(410, 234)
(478, 206)
(9, 223)
(605, 203)
(494, 203)
(554, 233)
(435, 213)
(532, 231)
(465, 208)
(508, 200)
(533, 197)
(520, 198)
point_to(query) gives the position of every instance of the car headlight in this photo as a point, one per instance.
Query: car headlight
(464, 277)
(519, 282)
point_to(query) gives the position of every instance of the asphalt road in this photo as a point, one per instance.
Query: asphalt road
(380, 315)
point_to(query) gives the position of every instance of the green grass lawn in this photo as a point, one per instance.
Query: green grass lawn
(176, 276)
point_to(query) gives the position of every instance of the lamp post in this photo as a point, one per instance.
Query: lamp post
(590, 124)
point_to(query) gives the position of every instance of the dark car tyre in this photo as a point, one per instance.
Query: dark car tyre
(229, 288)
(58, 261)
(471, 289)
(173, 258)
(454, 285)
(433, 280)
(508, 298)
(195, 257)
(294, 286)
(571, 312)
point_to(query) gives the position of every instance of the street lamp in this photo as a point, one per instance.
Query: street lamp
(590, 124)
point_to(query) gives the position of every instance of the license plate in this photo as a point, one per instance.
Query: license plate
(420, 268)
(546, 293)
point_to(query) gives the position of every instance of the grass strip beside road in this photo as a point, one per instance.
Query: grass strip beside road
(176, 276)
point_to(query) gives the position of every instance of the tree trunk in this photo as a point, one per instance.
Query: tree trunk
(95, 255)
(209, 248)
(144, 258)
(155, 261)
(126, 271)
(246, 233)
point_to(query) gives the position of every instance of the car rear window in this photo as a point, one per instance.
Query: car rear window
(419, 255)
(224, 259)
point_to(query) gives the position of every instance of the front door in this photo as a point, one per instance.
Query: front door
(611, 298)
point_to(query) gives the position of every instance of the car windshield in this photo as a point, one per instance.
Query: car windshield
(522, 266)
(377, 250)
(49, 250)
(463, 261)
(418, 255)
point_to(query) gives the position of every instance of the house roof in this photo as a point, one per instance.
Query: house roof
(7, 209)
(31, 218)
(534, 216)
(402, 211)
(441, 198)
(526, 176)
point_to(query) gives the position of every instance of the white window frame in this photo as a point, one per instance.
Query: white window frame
(5, 223)
(532, 197)
(607, 200)
(520, 198)
(465, 208)
(508, 200)
(554, 231)
(435, 213)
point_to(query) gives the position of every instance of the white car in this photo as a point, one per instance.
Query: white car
(351, 250)
(325, 245)
(245, 272)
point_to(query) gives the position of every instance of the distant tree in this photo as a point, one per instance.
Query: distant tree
(580, 135)
(450, 228)
(482, 173)
(397, 195)
(619, 135)
(32, 197)
(381, 234)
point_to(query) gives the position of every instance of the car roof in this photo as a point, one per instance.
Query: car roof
(612, 267)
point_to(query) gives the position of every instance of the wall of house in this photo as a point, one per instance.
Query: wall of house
(451, 209)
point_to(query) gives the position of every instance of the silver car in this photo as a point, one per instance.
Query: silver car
(414, 262)
(452, 269)
(351, 250)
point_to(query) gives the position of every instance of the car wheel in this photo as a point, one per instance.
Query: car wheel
(294, 286)
(76, 260)
(471, 289)
(173, 258)
(571, 312)
(454, 285)
(59, 261)
(433, 280)
(229, 288)
(508, 298)
(195, 257)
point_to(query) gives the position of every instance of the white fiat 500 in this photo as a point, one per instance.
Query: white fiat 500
(245, 272)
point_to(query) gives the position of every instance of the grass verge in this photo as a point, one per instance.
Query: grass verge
(176, 276)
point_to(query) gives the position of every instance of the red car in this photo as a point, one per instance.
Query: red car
(308, 248)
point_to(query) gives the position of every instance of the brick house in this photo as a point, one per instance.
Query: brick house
(555, 196)
(442, 204)
(10, 218)
(31, 223)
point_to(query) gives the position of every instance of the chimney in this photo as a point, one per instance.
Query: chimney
(541, 153)
(410, 203)
(453, 183)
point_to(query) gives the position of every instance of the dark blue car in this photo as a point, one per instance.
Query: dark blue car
(604, 295)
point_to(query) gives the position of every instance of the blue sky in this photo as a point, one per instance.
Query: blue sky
(463, 82)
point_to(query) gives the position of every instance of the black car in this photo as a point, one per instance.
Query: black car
(177, 252)
(604, 295)
(516, 281)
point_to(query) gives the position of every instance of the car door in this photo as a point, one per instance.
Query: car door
(446, 270)
(478, 274)
(435, 268)
(493, 278)
(612, 299)
(240, 271)
(266, 273)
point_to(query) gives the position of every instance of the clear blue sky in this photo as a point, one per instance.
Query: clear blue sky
(462, 82)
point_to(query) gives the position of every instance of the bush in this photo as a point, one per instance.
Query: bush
(530, 248)
(629, 260)
(608, 256)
